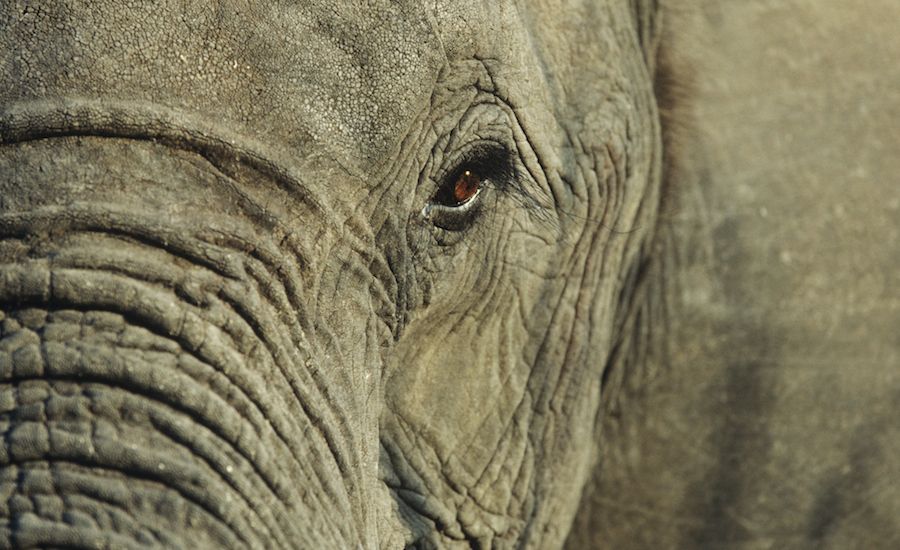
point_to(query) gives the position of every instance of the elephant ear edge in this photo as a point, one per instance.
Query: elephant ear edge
(668, 34)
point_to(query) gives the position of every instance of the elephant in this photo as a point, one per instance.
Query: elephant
(446, 275)
(316, 274)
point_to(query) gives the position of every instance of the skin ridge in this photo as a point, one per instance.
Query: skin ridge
(146, 121)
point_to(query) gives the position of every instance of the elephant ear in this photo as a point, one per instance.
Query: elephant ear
(667, 33)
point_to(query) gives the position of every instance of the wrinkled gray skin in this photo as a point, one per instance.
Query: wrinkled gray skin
(229, 319)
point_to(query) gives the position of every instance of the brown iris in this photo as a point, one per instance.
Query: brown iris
(467, 185)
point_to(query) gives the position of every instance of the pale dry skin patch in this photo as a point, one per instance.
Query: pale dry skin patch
(226, 322)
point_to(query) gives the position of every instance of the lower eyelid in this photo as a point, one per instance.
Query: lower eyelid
(433, 207)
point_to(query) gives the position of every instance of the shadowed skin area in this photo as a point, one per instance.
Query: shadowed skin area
(232, 313)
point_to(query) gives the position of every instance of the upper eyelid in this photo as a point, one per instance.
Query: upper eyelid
(469, 155)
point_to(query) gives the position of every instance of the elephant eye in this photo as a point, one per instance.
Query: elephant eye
(464, 187)
(460, 198)
(457, 202)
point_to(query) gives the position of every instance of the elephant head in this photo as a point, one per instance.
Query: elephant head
(316, 275)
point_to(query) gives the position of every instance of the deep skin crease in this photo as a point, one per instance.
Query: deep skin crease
(228, 317)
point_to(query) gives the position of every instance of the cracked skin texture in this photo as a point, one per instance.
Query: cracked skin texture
(227, 319)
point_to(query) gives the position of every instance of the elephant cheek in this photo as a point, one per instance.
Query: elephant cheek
(150, 390)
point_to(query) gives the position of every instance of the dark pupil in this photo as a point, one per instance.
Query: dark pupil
(466, 186)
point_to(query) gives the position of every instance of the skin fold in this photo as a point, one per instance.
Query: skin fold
(230, 317)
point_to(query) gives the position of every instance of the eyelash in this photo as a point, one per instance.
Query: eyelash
(491, 159)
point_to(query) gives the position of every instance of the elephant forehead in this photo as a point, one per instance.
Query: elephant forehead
(342, 76)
